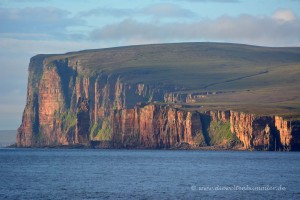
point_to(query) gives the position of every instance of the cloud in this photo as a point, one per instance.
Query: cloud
(161, 10)
(242, 29)
(49, 21)
(284, 15)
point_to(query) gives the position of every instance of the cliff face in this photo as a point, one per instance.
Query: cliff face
(265, 132)
(66, 105)
(289, 133)
(154, 126)
(255, 132)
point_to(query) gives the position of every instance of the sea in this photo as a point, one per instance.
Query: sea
(148, 174)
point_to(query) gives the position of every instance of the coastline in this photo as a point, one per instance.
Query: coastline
(182, 147)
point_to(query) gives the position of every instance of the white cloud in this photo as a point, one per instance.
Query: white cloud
(284, 15)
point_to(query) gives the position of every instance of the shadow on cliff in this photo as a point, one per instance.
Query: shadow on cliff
(205, 121)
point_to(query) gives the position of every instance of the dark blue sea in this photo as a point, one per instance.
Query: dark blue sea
(148, 174)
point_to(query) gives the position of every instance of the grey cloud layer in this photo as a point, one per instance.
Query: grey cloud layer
(244, 28)
(52, 23)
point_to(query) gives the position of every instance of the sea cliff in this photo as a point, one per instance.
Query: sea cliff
(70, 105)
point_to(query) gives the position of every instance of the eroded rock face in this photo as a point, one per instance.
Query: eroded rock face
(265, 132)
(289, 133)
(66, 106)
(30, 121)
(62, 106)
(154, 126)
(82, 122)
(50, 101)
(223, 116)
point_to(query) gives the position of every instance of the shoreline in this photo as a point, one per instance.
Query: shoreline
(207, 148)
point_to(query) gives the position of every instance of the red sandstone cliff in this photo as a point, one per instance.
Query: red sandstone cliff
(154, 126)
(265, 132)
(66, 106)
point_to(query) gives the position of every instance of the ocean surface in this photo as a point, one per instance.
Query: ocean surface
(148, 174)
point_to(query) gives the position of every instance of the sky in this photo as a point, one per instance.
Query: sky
(30, 27)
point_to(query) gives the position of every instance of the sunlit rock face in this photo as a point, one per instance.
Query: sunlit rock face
(70, 104)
